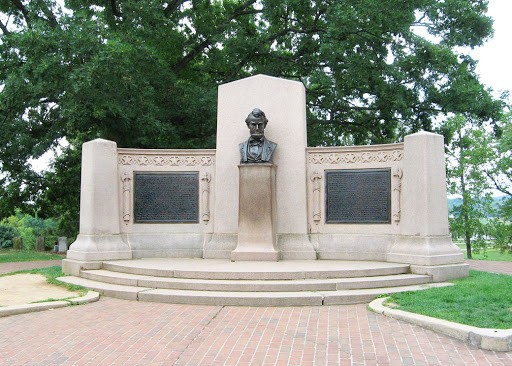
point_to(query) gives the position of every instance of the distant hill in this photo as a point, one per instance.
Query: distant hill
(454, 202)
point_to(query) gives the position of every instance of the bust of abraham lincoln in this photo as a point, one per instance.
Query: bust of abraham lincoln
(257, 149)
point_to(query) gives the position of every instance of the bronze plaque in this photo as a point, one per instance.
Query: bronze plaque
(166, 197)
(358, 196)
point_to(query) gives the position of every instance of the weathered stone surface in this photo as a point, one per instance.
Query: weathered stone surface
(256, 214)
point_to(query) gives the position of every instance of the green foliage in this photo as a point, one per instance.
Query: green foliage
(7, 256)
(467, 155)
(501, 231)
(480, 159)
(7, 233)
(499, 170)
(492, 253)
(29, 228)
(481, 300)
(145, 74)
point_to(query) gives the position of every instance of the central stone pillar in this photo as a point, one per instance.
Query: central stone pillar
(257, 214)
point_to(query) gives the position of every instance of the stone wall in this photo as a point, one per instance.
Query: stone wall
(352, 241)
(166, 239)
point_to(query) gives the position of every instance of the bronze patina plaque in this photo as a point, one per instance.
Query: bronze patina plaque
(166, 197)
(358, 196)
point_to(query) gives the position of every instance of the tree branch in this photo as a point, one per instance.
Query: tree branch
(4, 29)
(18, 4)
(497, 185)
(49, 14)
(240, 11)
(115, 10)
(172, 6)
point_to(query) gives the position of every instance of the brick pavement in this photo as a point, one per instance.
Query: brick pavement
(122, 332)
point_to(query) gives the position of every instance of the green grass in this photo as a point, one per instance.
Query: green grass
(51, 274)
(10, 255)
(490, 255)
(482, 300)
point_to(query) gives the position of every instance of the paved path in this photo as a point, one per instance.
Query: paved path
(491, 266)
(121, 332)
(18, 266)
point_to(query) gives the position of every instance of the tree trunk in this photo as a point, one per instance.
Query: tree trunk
(465, 203)
(468, 244)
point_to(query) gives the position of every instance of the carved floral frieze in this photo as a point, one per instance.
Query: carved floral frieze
(355, 157)
(166, 160)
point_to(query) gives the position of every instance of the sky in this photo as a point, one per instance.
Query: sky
(494, 57)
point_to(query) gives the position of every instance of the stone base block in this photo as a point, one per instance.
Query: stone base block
(165, 245)
(425, 251)
(73, 267)
(99, 248)
(295, 246)
(220, 246)
(443, 273)
(272, 256)
(353, 247)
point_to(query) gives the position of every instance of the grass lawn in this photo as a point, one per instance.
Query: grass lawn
(490, 255)
(10, 255)
(483, 300)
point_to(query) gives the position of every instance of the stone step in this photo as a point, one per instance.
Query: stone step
(300, 298)
(107, 289)
(221, 269)
(128, 279)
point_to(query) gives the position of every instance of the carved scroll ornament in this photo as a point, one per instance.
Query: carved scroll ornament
(317, 213)
(397, 189)
(205, 196)
(126, 178)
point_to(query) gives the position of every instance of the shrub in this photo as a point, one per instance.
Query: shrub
(7, 233)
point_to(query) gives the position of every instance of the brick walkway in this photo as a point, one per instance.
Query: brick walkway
(121, 332)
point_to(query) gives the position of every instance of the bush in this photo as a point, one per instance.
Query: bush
(7, 233)
(502, 232)
(29, 228)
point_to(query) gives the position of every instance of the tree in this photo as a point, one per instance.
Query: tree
(499, 171)
(467, 157)
(500, 162)
(144, 74)
(29, 228)
(7, 233)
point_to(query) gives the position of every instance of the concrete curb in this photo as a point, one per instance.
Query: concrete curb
(488, 339)
(91, 296)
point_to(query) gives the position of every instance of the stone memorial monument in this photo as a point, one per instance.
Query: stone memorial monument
(250, 199)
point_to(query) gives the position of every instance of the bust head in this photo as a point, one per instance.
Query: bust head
(256, 122)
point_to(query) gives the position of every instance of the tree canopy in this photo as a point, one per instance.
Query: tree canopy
(145, 74)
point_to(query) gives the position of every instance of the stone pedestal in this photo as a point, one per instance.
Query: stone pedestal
(99, 237)
(256, 214)
(425, 240)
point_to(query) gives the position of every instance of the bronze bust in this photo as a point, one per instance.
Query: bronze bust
(257, 149)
